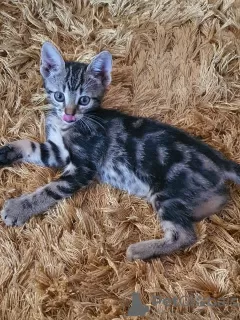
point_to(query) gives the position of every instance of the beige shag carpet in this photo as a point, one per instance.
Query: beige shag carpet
(176, 61)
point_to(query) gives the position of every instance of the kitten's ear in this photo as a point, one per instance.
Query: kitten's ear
(101, 67)
(52, 62)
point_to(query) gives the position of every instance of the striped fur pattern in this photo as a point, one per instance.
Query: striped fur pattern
(183, 178)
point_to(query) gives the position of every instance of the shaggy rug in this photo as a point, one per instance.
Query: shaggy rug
(176, 61)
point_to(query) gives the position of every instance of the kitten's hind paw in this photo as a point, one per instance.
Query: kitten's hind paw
(14, 213)
(132, 252)
(145, 250)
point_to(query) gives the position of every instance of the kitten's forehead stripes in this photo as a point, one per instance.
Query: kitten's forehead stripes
(75, 75)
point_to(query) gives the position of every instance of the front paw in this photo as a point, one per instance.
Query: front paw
(16, 212)
(8, 154)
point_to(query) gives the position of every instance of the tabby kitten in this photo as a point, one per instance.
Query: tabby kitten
(183, 178)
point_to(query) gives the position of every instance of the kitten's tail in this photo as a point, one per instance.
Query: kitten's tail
(232, 171)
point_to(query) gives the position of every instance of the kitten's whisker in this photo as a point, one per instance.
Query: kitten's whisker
(90, 124)
(86, 125)
(82, 124)
(95, 121)
(96, 117)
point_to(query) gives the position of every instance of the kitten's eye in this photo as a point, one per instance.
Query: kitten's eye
(84, 100)
(59, 96)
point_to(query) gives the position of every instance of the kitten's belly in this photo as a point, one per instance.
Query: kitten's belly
(121, 177)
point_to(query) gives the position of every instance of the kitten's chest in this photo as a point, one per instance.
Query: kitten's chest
(120, 176)
(55, 133)
(54, 129)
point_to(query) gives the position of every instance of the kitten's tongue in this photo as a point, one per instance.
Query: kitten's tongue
(69, 118)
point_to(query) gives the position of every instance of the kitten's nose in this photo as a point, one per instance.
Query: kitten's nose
(70, 110)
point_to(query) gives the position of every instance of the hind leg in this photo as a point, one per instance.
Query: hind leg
(178, 233)
(210, 205)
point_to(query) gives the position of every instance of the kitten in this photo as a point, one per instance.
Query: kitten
(183, 178)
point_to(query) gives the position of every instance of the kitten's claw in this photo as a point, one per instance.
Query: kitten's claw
(13, 213)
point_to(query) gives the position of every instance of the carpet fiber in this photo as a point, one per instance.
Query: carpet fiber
(175, 61)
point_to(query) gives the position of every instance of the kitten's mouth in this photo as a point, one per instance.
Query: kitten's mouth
(69, 117)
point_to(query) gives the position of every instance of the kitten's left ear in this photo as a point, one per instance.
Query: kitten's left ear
(101, 67)
(52, 63)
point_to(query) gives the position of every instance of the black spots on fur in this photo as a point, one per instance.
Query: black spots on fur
(160, 198)
(179, 180)
(205, 167)
(140, 127)
(85, 175)
(177, 212)
(150, 153)
(130, 148)
(175, 235)
(150, 164)
(26, 204)
(212, 176)
(69, 178)
(198, 145)
(120, 141)
(52, 194)
(67, 160)
(44, 153)
(99, 150)
(86, 150)
(174, 156)
(117, 170)
(81, 177)
(33, 146)
(65, 190)
(56, 151)
(196, 163)
(178, 135)
(152, 160)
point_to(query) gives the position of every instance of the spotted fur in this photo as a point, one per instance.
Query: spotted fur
(182, 177)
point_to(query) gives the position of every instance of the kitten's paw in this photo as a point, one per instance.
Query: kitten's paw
(145, 250)
(133, 252)
(8, 154)
(14, 212)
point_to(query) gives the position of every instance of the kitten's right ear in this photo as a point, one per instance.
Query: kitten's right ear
(52, 62)
(101, 67)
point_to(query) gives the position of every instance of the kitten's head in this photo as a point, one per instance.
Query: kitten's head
(74, 88)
